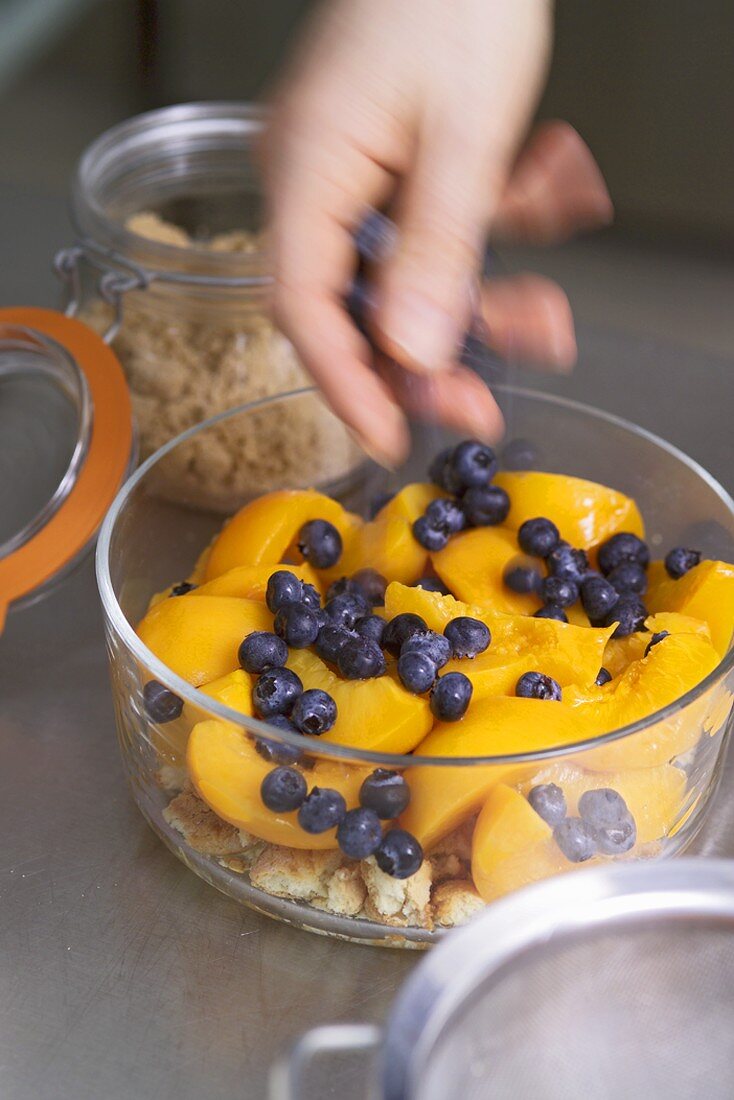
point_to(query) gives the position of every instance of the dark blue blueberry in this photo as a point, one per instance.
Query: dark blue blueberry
(360, 659)
(378, 503)
(432, 584)
(283, 588)
(520, 454)
(538, 537)
(434, 645)
(345, 586)
(624, 546)
(330, 640)
(182, 588)
(275, 691)
(283, 789)
(310, 596)
(473, 463)
(430, 537)
(615, 840)
(261, 650)
(559, 591)
(445, 515)
(598, 597)
(375, 237)
(680, 560)
(656, 639)
(549, 802)
(441, 471)
(385, 792)
(371, 626)
(603, 677)
(451, 696)
(277, 752)
(399, 629)
(467, 637)
(320, 543)
(371, 585)
(629, 613)
(322, 810)
(360, 302)
(576, 839)
(297, 625)
(359, 834)
(550, 611)
(417, 671)
(536, 685)
(629, 578)
(602, 807)
(346, 610)
(314, 712)
(161, 705)
(400, 854)
(522, 578)
(485, 506)
(568, 563)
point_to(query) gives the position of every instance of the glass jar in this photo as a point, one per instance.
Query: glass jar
(195, 768)
(171, 265)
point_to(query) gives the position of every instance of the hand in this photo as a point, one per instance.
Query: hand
(422, 105)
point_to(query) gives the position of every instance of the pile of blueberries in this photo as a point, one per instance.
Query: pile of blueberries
(604, 825)
(465, 471)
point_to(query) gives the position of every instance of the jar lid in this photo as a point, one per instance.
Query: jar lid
(66, 443)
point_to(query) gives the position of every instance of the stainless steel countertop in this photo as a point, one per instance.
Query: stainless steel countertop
(123, 975)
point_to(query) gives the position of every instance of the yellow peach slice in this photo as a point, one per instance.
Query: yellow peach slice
(412, 501)
(473, 566)
(250, 582)
(705, 592)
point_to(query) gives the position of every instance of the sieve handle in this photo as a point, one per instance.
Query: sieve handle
(286, 1078)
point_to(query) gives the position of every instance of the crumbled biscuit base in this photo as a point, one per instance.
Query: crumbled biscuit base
(294, 873)
(346, 892)
(401, 902)
(457, 843)
(202, 829)
(172, 778)
(455, 902)
(445, 865)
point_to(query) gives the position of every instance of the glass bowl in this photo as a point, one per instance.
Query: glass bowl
(150, 541)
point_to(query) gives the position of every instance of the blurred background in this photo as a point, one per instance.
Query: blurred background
(649, 85)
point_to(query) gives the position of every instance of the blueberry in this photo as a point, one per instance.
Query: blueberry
(679, 561)
(375, 237)
(330, 640)
(522, 578)
(320, 543)
(536, 685)
(473, 463)
(417, 671)
(360, 302)
(435, 646)
(277, 752)
(576, 839)
(519, 454)
(603, 677)
(297, 625)
(182, 588)
(371, 626)
(467, 636)
(656, 639)
(161, 705)
(485, 505)
(399, 629)
(385, 792)
(602, 807)
(550, 611)
(378, 503)
(622, 547)
(360, 659)
(451, 696)
(538, 537)
(559, 591)
(614, 840)
(322, 810)
(598, 597)
(359, 834)
(430, 537)
(399, 855)
(346, 610)
(568, 563)
(314, 712)
(629, 578)
(283, 790)
(441, 471)
(275, 692)
(371, 585)
(548, 800)
(310, 596)
(629, 613)
(432, 584)
(445, 514)
(283, 587)
(345, 586)
(261, 650)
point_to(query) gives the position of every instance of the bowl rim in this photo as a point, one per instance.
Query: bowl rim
(314, 746)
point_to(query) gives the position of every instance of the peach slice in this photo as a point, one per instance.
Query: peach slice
(412, 501)
(387, 545)
(705, 592)
(473, 565)
(250, 582)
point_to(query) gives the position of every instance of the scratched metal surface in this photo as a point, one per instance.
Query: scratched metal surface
(122, 975)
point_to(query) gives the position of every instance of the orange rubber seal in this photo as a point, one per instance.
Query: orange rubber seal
(78, 517)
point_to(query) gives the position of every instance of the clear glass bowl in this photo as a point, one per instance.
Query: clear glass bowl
(149, 541)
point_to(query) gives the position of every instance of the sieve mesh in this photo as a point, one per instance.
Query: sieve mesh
(640, 1010)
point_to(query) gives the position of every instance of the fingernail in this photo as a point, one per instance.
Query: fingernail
(381, 433)
(420, 334)
(482, 422)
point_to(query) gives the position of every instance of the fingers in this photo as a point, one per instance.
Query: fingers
(529, 317)
(454, 397)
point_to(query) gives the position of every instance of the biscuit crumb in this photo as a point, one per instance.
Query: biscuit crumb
(401, 902)
(455, 902)
(346, 892)
(458, 842)
(202, 829)
(294, 873)
(445, 865)
(172, 778)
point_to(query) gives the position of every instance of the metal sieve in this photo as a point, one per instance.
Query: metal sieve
(613, 982)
